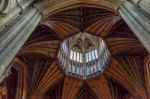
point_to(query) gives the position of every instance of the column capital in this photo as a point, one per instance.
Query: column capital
(121, 3)
(24, 4)
(38, 10)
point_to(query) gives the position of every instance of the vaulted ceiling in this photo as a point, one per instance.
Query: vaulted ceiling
(124, 77)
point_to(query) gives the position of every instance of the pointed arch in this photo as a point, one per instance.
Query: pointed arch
(100, 87)
(51, 7)
(20, 66)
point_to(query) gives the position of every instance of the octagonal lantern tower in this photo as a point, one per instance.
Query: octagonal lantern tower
(83, 55)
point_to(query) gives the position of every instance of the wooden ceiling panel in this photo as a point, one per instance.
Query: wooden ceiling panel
(100, 87)
(89, 19)
(51, 77)
(86, 93)
(122, 41)
(44, 74)
(127, 71)
(125, 46)
(71, 88)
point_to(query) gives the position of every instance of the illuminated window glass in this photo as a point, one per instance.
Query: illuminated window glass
(74, 55)
(96, 53)
(78, 59)
(89, 55)
(81, 58)
(71, 55)
(93, 56)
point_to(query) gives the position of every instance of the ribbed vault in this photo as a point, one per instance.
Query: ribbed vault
(88, 19)
(124, 76)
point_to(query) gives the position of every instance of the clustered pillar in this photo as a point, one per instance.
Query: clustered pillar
(14, 35)
(136, 13)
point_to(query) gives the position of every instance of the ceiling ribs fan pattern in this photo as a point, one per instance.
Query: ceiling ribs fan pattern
(126, 67)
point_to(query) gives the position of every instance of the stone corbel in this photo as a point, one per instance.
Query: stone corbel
(8, 14)
(4, 7)
(121, 3)
(8, 11)
(24, 4)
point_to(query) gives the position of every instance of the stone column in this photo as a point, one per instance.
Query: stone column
(15, 34)
(138, 20)
(143, 4)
